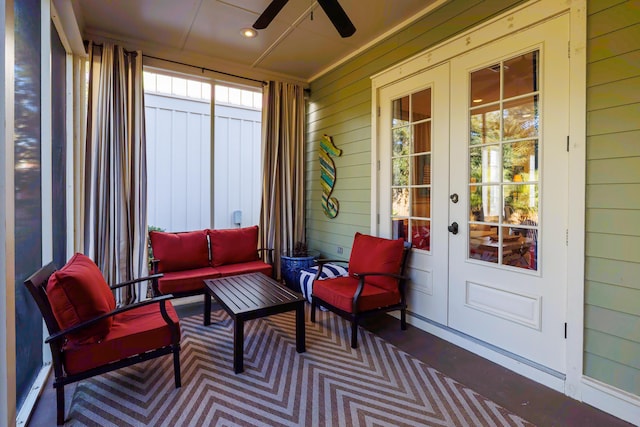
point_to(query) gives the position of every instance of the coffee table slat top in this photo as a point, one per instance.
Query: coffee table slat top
(250, 292)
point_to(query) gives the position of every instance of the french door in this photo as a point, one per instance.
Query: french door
(416, 158)
(492, 207)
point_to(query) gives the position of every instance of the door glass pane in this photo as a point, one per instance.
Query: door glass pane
(520, 203)
(401, 140)
(421, 202)
(485, 125)
(420, 234)
(400, 171)
(484, 164)
(485, 86)
(422, 137)
(520, 161)
(422, 170)
(484, 243)
(421, 105)
(400, 111)
(504, 163)
(400, 228)
(411, 168)
(521, 118)
(519, 248)
(485, 203)
(521, 75)
(400, 198)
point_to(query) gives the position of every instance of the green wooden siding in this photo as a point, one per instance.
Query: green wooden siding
(612, 270)
(340, 106)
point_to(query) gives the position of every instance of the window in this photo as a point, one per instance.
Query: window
(411, 168)
(504, 162)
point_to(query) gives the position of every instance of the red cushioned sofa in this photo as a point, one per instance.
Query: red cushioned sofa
(186, 259)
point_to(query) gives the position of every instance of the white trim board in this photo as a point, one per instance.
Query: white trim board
(623, 405)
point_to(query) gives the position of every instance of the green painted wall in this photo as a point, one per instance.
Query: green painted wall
(340, 106)
(612, 288)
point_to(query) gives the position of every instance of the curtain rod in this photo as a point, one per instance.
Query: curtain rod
(205, 69)
(187, 65)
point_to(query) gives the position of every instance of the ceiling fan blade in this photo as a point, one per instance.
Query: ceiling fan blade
(338, 17)
(269, 13)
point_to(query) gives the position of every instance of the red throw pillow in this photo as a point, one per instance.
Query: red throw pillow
(180, 251)
(371, 254)
(78, 292)
(234, 245)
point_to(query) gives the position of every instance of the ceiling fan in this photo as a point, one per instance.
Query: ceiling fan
(332, 8)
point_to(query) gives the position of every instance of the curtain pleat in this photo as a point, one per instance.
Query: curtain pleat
(79, 146)
(115, 220)
(282, 220)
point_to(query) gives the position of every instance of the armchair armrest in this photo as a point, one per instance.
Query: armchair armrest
(395, 276)
(163, 310)
(361, 283)
(266, 252)
(321, 263)
(140, 279)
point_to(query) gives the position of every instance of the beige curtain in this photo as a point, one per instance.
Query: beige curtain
(114, 163)
(282, 220)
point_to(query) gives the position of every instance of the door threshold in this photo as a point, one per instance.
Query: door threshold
(518, 364)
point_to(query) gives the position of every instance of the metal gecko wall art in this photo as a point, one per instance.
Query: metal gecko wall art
(330, 204)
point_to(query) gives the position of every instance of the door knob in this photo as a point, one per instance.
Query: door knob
(453, 228)
(454, 197)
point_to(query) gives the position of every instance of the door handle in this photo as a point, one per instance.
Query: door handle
(453, 228)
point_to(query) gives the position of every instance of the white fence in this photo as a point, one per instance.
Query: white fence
(179, 160)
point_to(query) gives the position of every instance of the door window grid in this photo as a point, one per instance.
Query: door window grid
(504, 163)
(411, 137)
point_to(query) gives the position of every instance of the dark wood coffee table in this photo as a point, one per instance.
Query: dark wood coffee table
(251, 296)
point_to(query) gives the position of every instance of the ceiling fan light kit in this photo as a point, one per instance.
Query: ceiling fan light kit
(332, 8)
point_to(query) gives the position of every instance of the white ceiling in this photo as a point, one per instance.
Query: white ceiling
(206, 33)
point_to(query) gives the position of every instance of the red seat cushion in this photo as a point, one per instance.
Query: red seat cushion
(78, 292)
(185, 281)
(339, 293)
(244, 268)
(371, 254)
(133, 332)
(180, 251)
(230, 246)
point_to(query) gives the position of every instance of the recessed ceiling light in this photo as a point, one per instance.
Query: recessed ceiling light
(478, 100)
(249, 33)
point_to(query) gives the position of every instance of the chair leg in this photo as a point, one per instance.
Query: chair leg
(403, 319)
(60, 405)
(313, 310)
(354, 333)
(176, 366)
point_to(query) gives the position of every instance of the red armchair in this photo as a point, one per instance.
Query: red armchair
(375, 284)
(89, 335)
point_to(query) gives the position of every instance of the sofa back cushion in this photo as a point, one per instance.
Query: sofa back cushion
(371, 254)
(180, 251)
(78, 292)
(230, 246)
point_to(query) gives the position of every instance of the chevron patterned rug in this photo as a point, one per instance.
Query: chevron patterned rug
(329, 385)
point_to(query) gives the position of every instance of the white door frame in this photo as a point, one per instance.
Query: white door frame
(516, 19)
